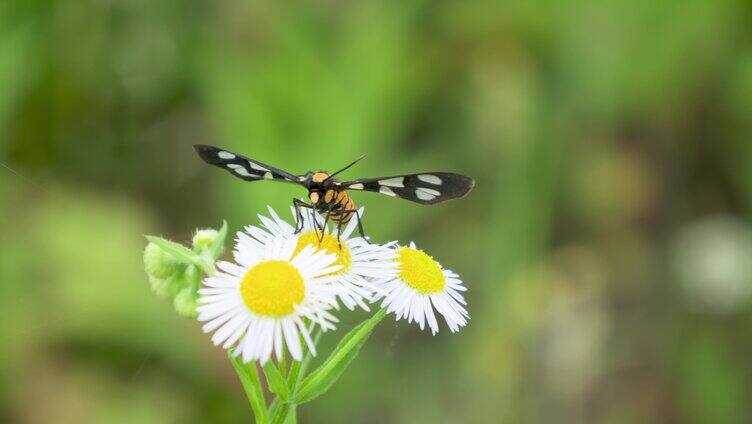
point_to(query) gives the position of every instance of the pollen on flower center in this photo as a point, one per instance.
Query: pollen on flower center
(420, 271)
(331, 245)
(272, 288)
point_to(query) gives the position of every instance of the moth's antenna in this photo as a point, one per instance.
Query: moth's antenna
(345, 168)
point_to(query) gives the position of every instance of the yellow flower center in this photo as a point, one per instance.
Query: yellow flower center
(331, 245)
(419, 270)
(272, 288)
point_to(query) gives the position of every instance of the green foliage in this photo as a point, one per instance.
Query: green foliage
(712, 381)
(597, 132)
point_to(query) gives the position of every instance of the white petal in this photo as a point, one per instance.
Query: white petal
(292, 340)
(431, 318)
(306, 337)
(278, 339)
(268, 340)
(221, 280)
(228, 328)
(234, 337)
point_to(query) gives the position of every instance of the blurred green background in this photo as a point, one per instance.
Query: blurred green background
(607, 246)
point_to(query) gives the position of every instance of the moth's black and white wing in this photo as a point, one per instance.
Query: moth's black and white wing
(425, 188)
(243, 167)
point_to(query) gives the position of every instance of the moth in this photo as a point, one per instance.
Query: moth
(330, 197)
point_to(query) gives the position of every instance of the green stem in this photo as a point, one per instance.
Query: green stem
(252, 386)
(294, 377)
(274, 407)
(292, 415)
(282, 365)
(280, 417)
(287, 413)
(307, 359)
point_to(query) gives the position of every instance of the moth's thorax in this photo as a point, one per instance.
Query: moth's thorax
(328, 197)
(319, 177)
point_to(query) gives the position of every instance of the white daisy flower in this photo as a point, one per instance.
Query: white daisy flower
(361, 261)
(420, 286)
(259, 303)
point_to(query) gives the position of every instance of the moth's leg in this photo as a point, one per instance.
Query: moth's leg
(343, 213)
(320, 235)
(339, 231)
(360, 227)
(314, 219)
(328, 213)
(299, 204)
(313, 209)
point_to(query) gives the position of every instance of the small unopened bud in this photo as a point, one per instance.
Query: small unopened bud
(165, 287)
(205, 239)
(185, 303)
(158, 263)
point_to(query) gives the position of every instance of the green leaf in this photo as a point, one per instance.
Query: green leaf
(276, 382)
(319, 381)
(252, 386)
(177, 250)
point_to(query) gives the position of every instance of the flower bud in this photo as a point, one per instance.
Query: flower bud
(159, 264)
(205, 239)
(165, 287)
(185, 303)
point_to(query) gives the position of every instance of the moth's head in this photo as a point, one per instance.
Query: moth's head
(317, 184)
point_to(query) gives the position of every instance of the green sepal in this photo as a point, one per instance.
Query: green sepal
(319, 381)
(275, 381)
